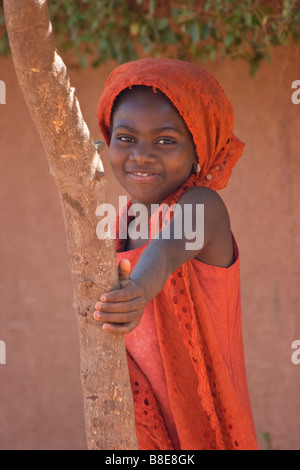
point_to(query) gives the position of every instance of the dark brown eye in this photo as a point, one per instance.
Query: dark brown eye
(125, 138)
(165, 141)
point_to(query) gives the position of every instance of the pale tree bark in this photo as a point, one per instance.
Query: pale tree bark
(78, 173)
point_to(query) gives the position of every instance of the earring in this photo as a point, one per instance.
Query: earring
(197, 168)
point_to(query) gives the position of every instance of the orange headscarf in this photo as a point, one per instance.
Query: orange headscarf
(201, 102)
(211, 410)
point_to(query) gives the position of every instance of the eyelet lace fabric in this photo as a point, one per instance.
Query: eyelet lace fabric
(211, 408)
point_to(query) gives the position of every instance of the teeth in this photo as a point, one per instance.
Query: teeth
(142, 174)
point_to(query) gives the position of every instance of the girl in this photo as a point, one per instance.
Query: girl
(169, 127)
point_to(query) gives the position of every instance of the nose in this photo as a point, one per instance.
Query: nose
(142, 153)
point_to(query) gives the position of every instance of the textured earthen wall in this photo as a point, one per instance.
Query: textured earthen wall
(40, 391)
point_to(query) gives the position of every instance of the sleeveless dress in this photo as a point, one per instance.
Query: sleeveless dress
(186, 362)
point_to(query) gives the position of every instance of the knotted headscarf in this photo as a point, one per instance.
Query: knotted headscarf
(201, 102)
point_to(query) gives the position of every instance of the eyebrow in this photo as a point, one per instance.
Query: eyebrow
(157, 130)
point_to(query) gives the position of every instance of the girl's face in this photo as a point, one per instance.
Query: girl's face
(151, 150)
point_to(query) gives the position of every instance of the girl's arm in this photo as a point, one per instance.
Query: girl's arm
(121, 311)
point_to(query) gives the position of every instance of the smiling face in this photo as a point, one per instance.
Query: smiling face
(151, 150)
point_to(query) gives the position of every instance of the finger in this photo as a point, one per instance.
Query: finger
(119, 329)
(119, 307)
(112, 297)
(116, 317)
(121, 295)
(124, 269)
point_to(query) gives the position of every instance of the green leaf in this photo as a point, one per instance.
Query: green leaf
(297, 15)
(267, 57)
(207, 6)
(232, 19)
(229, 40)
(195, 31)
(162, 23)
(254, 66)
(248, 19)
(206, 31)
(152, 6)
(168, 36)
(213, 53)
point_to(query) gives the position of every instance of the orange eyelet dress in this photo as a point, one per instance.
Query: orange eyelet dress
(186, 362)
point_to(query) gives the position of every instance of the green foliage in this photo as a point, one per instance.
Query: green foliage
(267, 440)
(206, 30)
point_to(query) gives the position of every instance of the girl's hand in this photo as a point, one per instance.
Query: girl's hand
(121, 311)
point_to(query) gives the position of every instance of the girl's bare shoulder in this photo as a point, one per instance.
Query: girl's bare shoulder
(218, 246)
(212, 201)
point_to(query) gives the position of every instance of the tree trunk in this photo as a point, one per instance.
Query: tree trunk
(78, 173)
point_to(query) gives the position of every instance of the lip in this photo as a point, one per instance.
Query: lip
(143, 176)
